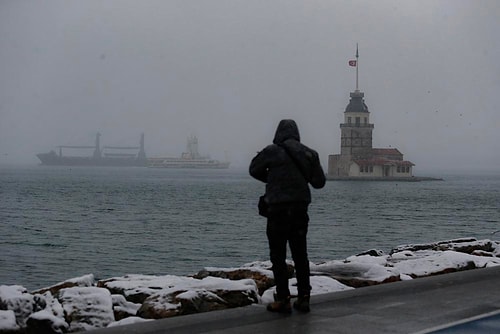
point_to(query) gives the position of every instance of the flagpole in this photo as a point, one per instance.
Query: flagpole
(357, 64)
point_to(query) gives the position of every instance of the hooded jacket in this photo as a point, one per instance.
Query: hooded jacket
(287, 167)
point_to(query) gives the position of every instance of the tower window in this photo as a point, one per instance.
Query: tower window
(349, 120)
(366, 120)
(358, 121)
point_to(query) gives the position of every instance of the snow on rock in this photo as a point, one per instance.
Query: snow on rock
(420, 260)
(17, 299)
(48, 302)
(195, 296)
(412, 261)
(46, 322)
(87, 308)
(50, 319)
(123, 308)
(85, 280)
(136, 288)
(128, 321)
(257, 271)
(462, 245)
(443, 262)
(319, 285)
(8, 322)
(357, 273)
(265, 267)
(169, 304)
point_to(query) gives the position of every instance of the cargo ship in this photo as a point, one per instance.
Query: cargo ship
(120, 156)
(189, 159)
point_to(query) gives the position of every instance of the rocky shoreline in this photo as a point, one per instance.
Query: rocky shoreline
(82, 303)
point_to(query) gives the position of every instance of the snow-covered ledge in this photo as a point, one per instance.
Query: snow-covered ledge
(81, 303)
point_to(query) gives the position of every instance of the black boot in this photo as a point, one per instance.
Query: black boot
(302, 304)
(280, 305)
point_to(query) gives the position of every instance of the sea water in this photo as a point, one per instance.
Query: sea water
(58, 223)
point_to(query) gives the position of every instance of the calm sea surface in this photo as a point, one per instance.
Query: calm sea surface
(58, 223)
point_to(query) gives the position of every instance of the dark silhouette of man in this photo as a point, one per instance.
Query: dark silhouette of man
(288, 167)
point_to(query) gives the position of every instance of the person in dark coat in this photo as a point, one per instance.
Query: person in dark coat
(288, 167)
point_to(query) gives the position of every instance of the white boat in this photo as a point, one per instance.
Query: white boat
(189, 159)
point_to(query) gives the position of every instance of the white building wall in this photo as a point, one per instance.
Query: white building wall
(378, 171)
(354, 169)
(403, 174)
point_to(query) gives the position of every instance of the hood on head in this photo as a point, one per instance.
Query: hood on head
(287, 129)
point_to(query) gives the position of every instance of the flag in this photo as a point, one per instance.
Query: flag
(352, 63)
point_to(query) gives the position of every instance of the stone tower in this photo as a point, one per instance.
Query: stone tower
(356, 131)
(357, 158)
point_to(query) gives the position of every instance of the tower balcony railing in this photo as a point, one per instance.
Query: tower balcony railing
(356, 125)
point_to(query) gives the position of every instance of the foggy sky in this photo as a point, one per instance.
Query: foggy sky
(227, 71)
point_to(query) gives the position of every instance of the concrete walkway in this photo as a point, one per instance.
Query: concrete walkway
(464, 302)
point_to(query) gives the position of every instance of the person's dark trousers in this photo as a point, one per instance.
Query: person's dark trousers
(289, 223)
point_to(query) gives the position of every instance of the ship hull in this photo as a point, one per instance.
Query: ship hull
(52, 159)
(187, 163)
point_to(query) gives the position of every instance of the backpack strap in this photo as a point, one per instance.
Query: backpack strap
(295, 162)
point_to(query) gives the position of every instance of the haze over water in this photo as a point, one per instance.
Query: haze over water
(227, 71)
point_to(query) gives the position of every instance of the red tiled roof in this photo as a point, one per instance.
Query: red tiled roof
(382, 162)
(386, 151)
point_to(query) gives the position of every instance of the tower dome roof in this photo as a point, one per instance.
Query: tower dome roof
(357, 103)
